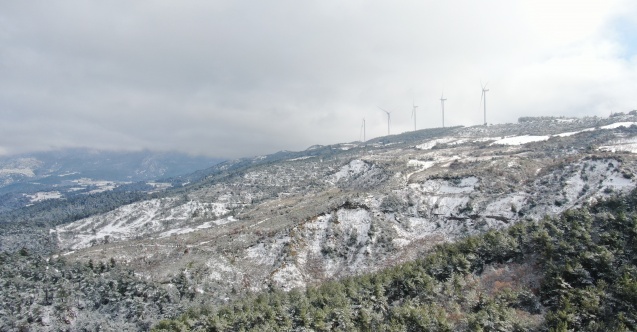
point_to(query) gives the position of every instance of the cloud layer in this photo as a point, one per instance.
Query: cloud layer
(239, 78)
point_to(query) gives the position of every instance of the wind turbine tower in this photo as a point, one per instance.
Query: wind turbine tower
(442, 102)
(484, 97)
(413, 113)
(388, 119)
(363, 129)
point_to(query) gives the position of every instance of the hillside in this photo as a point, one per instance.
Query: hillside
(293, 220)
(299, 218)
(574, 272)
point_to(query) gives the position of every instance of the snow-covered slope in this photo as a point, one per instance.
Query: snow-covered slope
(291, 219)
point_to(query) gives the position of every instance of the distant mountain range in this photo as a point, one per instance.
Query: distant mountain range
(28, 178)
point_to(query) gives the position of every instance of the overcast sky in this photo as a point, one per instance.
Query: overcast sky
(241, 78)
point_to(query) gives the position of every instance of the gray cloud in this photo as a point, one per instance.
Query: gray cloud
(237, 78)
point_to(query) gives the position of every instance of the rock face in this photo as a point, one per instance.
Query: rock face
(298, 218)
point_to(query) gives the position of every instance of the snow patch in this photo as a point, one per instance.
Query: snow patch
(430, 144)
(301, 158)
(422, 164)
(159, 185)
(574, 132)
(288, 277)
(42, 196)
(621, 145)
(164, 217)
(20, 171)
(101, 185)
(619, 124)
(506, 206)
(454, 186)
(519, 140)
(355, 167)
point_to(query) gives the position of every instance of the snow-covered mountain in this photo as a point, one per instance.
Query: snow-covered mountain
(296, 218)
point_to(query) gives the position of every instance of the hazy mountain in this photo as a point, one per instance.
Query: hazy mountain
(29, 178)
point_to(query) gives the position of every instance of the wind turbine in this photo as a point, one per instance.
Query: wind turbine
(442, 102)
(363, 129)
(388, 118)
(413, 113)
(484, 97)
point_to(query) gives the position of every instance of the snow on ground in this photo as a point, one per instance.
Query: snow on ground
(400, 242)
(610, 126)
(519, 140)
(506, 206)
(619, 124)
(259, 253)
(101, 185)
(22, 171)
(441, 186)
(159, 185)
(621, 145)
(185, 230)
(414, 228)
(142, 218)
(267, 254)
(91, 182)
(301, 158)
(322, 238)
(574, 132)
(347, 146)
(355, 223)
(446, 205)
(312, 237)
(595, 176)
(440, 197)
(288, 277)
(430, 144)
(484, 139)
(220, 268)
(42, 196)
(618, 183)
(67, 174)
(422, 164)
(355, 167)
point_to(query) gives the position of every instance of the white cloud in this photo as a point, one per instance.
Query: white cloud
(235, 78)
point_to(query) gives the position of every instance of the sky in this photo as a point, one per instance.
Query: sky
(242, 78)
